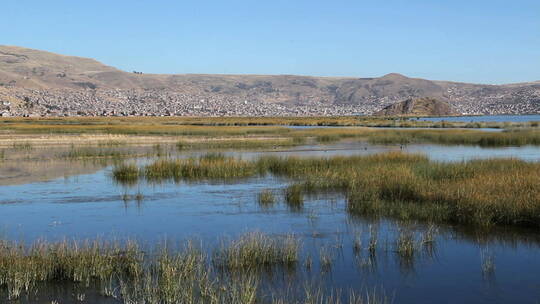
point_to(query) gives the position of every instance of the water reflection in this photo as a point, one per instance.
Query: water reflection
(418, 262)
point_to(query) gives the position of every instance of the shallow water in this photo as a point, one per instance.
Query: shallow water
(434, 152)
(486, 118)
(87, 206)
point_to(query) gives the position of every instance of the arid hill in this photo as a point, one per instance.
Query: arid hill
(47, 83)
(418, 107)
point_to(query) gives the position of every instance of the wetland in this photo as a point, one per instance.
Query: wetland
(220, 211)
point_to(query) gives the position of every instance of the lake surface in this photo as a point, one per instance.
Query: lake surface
(486, 118)
(91, 205)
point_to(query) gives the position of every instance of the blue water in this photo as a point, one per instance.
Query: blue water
(91, 205)
(486, 118)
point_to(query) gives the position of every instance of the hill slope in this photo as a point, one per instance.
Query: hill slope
(418, 107)
(58, 81)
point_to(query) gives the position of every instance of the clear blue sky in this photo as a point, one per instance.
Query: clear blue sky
(495, 41)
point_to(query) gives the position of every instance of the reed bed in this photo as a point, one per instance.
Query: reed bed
(481, 192)
(91, 152)
(188, 275)
(208, 166)
(517, 137)
(246, 133)
(405, 186)
(368, 121)
(458, 137)
(241, 143)
(255, 250)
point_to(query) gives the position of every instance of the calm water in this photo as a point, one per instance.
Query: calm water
(91, 205)
(486, 118)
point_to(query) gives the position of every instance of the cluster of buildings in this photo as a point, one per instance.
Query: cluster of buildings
(165, 102)
(155, 102)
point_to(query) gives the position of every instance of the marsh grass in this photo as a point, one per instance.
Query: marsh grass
(111, 143)
(266, 198)
(317, 295)
(131, 275)
(406, 244)
(487, 260)
(256, 251)
(91, 152)
(518, 137)
(22, 146)
(404, 186)
(215, 166)
(326, 259)
(127, 174)
(481, 193)
(167, 124)
(241, 143)
(294, 197)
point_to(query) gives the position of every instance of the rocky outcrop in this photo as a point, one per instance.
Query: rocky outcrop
(418, 107)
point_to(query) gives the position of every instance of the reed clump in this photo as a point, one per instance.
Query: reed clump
(126, 173)
(255, 250)
(208, 166)
(266, 198)
(294, 197)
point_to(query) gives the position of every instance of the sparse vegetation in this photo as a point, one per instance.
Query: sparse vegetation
(266, 198)
(131, 275)
(294, 197)
(256, 250)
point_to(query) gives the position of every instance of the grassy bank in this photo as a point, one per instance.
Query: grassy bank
(481, 192)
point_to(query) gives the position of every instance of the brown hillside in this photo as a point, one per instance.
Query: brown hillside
(418, 107)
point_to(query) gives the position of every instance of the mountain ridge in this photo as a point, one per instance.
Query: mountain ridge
(45, 77)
